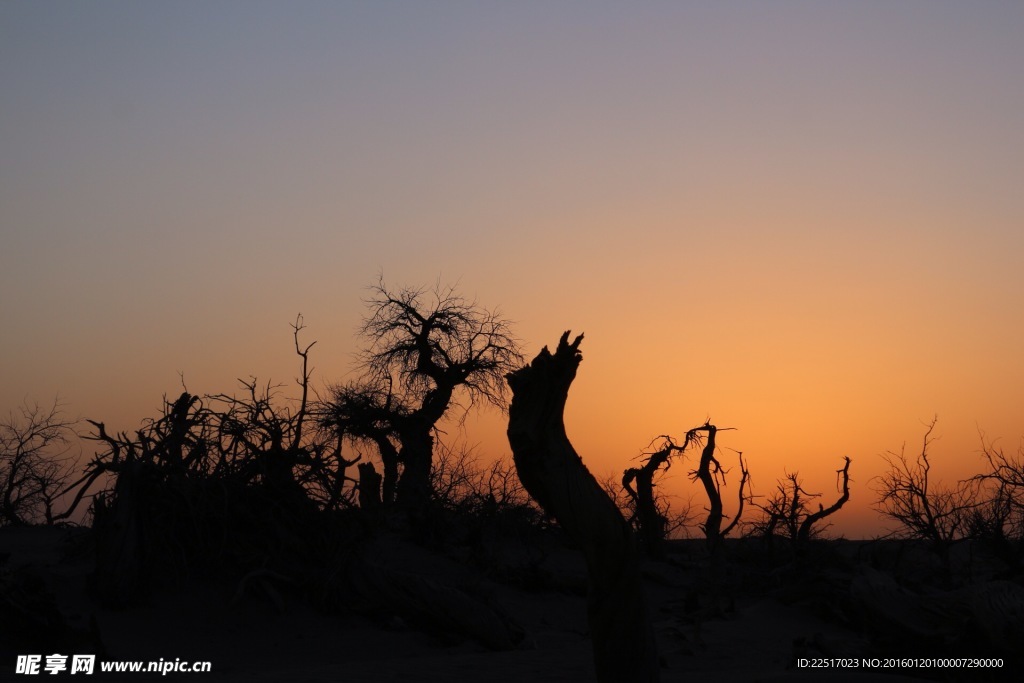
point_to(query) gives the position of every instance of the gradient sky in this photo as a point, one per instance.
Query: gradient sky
(803, 220)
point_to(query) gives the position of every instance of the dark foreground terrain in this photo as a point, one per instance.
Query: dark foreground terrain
(514, 610)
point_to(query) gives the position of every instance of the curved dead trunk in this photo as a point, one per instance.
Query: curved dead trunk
(552, 472)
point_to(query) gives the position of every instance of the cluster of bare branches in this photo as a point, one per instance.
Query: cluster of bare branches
(922, 507)
(36, 465)
(463, 480)
(219, 476)
(428, 353)
(255, 438)
(988, 507)
(676, 516)
(998, 517)
(787, 510)
(649, 513)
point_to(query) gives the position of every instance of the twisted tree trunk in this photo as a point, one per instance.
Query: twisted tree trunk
(552, 472)
(713, 524)
(653, 524)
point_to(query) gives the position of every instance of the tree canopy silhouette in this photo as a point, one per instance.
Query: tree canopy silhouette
(427, 351)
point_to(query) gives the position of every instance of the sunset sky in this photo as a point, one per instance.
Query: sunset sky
(802, 220)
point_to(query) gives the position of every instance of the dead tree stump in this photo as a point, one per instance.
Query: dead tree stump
(121, 539)
(369, 487)
(553, 473)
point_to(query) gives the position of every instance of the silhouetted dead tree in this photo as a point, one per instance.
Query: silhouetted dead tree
(923, 510)
(555, 476)
(998, 520)
(368, 414)
(426, 351)
(1007, 469)
(639, 484)
(268, 437)
(35, 467)
(807, 525)
(787, 508)
(712, 477)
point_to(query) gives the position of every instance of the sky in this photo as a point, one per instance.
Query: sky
(800, 220)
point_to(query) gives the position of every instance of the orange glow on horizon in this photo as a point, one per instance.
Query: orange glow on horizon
(804, 223)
